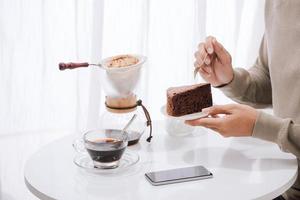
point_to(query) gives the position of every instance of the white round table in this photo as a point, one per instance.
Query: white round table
(243, 168)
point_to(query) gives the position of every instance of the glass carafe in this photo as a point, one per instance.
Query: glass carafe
(117, 121)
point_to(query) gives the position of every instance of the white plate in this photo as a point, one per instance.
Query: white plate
(183, 117)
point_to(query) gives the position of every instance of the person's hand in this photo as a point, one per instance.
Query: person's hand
(229, 120)
(214, 62)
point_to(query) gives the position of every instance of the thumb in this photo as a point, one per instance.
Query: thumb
(221, 52)
(218, 109)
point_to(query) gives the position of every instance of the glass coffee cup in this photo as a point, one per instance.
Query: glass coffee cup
(105, 147)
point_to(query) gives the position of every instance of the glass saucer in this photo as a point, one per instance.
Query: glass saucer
(84, 161)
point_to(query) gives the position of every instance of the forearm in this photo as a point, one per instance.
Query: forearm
(281, 131)
(251, 86)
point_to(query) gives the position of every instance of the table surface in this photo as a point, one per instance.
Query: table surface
(243, 168)
(15, 149)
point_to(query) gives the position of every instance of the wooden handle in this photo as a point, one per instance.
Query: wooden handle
(63, 66)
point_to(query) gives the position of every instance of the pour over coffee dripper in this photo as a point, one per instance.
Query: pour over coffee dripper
(117, 81)
(121, 101)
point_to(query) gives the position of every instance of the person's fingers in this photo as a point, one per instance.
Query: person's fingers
(207, 122)
(208, 45)
(202, 54)
(196, 64)
(197, 55)
(203, 72)
(221, 52)
(203, 59)
(206, 58)
(201, 46)
(215, 116)
(219, 109)
(200, 57)
(205, 63)
(220, 132)
(215, 129)
(216, 124)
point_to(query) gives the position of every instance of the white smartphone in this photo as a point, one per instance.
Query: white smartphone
(178, 175)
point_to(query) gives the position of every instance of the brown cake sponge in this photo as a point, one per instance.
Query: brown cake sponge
(190, 99)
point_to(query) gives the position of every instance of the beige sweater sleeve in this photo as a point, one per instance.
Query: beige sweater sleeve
(253, 85)
(281, 131)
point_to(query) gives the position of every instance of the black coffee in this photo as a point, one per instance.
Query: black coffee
(106, 150)
(133, 137)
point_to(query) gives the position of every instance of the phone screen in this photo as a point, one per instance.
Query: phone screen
(178, 174)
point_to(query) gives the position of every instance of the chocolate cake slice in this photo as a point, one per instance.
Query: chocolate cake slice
(185, 100)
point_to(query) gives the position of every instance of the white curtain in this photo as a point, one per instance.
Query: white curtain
(35, 35)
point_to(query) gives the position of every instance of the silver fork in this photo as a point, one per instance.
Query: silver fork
(198, 67)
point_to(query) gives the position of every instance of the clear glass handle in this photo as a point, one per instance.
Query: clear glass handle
(78, 145)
